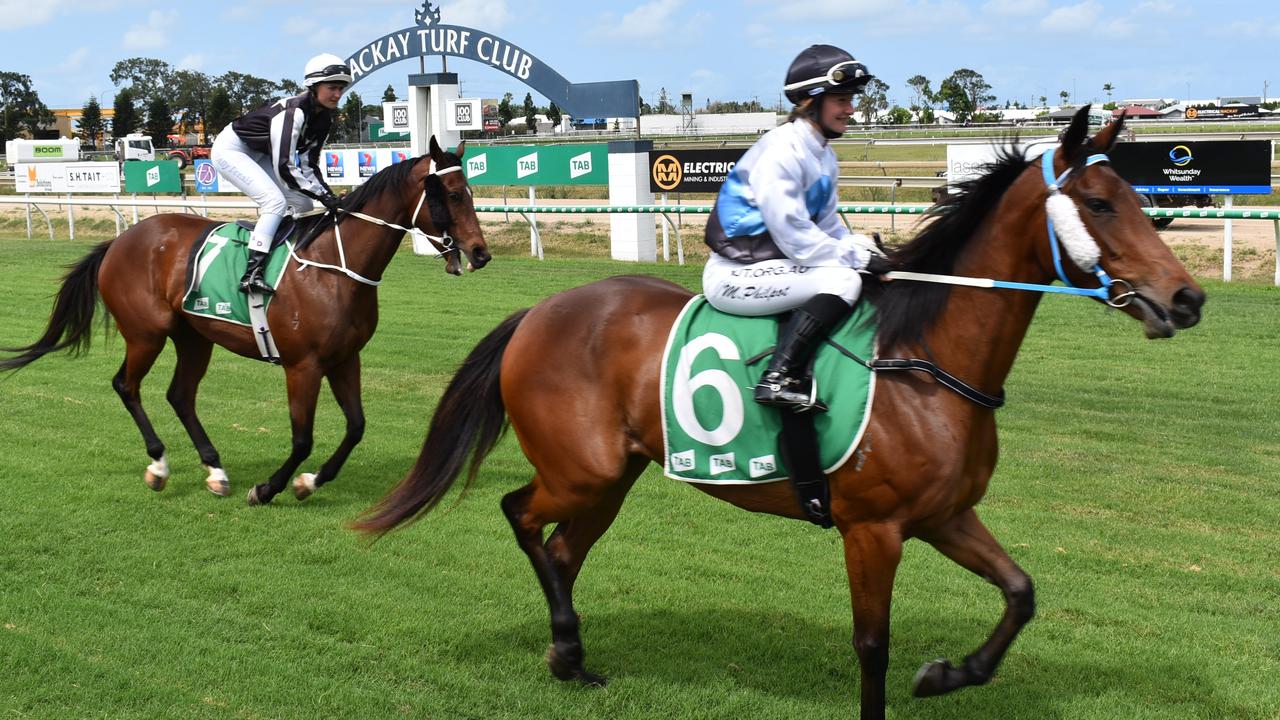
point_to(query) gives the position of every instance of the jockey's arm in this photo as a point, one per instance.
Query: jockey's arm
(286, 129)
(776, 185)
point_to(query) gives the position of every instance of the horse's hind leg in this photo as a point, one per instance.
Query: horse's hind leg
(139, 356)
(193, 360)
(344, 380)
(968, 542)
(558, 561)
(303, 383)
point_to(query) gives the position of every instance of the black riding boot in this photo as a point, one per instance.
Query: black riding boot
(786, 382)
(252, 281)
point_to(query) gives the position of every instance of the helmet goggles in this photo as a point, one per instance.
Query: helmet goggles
(849, 76)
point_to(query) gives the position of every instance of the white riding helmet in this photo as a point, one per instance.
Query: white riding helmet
(326, 68)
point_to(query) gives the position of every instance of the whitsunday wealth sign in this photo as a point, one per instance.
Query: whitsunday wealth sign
(620, 98)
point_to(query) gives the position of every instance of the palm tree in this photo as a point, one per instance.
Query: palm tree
(1108, 88)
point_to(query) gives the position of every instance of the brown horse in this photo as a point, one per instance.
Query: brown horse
(320, 318)
(577, 376)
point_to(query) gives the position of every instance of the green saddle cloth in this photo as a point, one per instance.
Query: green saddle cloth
(217, 268)
(714, 430)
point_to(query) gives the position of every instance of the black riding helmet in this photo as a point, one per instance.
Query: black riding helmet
(821, 69)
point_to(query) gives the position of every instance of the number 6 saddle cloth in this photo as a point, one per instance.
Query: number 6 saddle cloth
(213, 277)
(714, 430)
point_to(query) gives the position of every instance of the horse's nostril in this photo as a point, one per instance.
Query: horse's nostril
(1186, 306)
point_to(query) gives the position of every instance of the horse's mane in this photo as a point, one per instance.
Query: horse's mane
(905, 309)
(387, 178)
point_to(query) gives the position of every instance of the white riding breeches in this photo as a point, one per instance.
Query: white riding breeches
(254, 175)
(770, 287)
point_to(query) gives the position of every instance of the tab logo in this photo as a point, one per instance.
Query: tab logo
(223, 308)
(201, 304)
(682, 461)
(477, 165)
(722, 463)
(580, 165)
(763, 465)
(527, 165)
(153, 175)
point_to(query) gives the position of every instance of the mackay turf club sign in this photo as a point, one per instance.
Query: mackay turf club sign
(428, 37)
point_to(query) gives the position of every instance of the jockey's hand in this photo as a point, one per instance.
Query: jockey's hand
(331, 203)
(877, 265)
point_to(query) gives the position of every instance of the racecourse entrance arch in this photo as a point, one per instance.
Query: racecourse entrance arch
(430, 94)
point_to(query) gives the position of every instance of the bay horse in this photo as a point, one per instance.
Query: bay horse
(577, 378)
(320, 318)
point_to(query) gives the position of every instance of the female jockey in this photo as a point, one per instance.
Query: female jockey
(272, 154)
(779, 244)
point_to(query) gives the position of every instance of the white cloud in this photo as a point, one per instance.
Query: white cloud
(75, 60)
(154, 34)
(1015, 8)
(19, 13)
(491, 15)
(885, 16)
(1073, 18)
(194, 61)
(654, 19)
(1162, 8)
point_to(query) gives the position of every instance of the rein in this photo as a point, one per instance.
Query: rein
(1082, 248)
(443, 242)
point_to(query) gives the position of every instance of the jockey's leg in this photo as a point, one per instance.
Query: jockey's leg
(251, 173)
(786, 381)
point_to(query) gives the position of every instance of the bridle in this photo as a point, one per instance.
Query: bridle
(444, 243)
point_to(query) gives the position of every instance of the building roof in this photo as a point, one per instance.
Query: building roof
(1136, 111)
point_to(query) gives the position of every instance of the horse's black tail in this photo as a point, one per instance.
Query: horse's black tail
(72, 316)
(469, 421)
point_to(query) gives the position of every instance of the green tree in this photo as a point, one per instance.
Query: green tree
(874, 99)
(91, 125)
(288, 87)
(149, 78)
(506, 113)
(389, 95)
(1064, 95)
(159, 121)
(530, 113)
(965, 92)
(246, 92)
(922, 95)
(125, 118)
(349, 119)
(220, 112)
(554, 115)
(20, 107)
(1107, 89)
(645, 108)
(899, 116)
(191, 91)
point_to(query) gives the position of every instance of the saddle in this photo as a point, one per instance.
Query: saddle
(287, 226)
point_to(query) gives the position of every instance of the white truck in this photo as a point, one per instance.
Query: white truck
(134, 146)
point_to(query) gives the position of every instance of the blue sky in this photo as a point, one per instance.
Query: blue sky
(717, 49)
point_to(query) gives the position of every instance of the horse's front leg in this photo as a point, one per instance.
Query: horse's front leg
(871, 554)
(303, 383)
(344, 380)
(968, 542)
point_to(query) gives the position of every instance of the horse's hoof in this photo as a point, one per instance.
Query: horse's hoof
(217, 482)
(566, 669)
(304, 485)
(253, 498)
(154, 481)
(157, 474)
(931, 680)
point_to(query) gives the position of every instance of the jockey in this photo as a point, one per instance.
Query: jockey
(779, 244)
(272, 154)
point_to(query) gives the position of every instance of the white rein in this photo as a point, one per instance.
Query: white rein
(444, 239)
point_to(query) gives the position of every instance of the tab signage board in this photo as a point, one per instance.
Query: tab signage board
(537, 165)
(1201, 167)
(690, 170)
(152, 176)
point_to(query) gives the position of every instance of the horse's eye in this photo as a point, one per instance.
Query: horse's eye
(454, 196)
(1098, 206)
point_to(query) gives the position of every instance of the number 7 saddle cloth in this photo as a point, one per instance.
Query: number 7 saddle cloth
(713, 429)
(218, 263)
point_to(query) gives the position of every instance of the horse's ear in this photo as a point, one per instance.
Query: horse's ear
(1109, 135)
(434, 150)
(461, 149)
(1074, 137)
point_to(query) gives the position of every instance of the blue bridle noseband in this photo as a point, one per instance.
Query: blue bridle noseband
(1103, 292)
